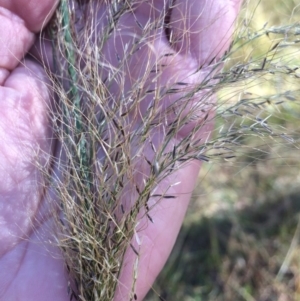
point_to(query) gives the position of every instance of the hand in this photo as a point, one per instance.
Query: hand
(30, 267)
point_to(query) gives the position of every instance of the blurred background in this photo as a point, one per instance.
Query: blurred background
(241, 237)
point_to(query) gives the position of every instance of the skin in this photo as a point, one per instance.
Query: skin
(31, 268)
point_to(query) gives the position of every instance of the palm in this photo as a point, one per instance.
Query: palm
(30, 268)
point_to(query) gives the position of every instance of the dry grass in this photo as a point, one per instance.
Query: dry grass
(240, 240)
(101, 147)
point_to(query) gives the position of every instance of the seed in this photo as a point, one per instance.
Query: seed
(139, 24)
(150, 218)
(156, 168)
(174, 152)
(164, 196)
(134, 250)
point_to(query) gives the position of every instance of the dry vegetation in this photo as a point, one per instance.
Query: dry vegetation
(241, 239)
(106, 141)
(241, 243)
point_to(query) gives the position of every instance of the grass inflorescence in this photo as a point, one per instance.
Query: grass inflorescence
(240, 240)
(101, 147)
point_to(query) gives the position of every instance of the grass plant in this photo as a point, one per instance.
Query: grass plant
(101, 147)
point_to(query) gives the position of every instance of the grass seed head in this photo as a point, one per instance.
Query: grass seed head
(101, 147)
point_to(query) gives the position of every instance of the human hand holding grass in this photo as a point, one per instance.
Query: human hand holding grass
(151, 107)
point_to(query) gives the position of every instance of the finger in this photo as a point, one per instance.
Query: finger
(154, 240)
(203, 28)
(19, 19)
(26, 143)
(15, 39)
(34, 13)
